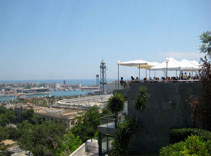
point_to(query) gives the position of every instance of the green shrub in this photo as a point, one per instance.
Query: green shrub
(12, 133)
(193, 146)
(122, 137)
(172, 150)
(209, 146)
(141, 99)
(177, 135)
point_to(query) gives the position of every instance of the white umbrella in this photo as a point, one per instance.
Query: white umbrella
(135, 63)
(189, 65)
(132, 63)
(171, 64)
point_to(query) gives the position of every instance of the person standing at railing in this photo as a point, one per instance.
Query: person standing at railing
(181, 76)
(185, 76)
(189, 76)
(122, 82)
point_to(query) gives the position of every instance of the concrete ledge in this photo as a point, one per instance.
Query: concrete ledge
(80, 151)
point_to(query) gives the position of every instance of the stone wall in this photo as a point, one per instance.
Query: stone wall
(168, 108)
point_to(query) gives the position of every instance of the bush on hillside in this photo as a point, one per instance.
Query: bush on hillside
(177, 135)
(193, 145)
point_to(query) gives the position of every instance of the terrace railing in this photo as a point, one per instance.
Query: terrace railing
(107, 121)
(128, 83)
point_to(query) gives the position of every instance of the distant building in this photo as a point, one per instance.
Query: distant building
(65, 116)
(58, 86)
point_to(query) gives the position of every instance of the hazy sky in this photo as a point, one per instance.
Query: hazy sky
(67, 39)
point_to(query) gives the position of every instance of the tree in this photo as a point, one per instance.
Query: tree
(141, 99)
(122, 137)
(202, 106)
(69, 144)
(3, 148)
(4, 120)
(125, 130)
(206, 43)
(6, 116)
(28, 115)
(116, 104)
(86, 125)
(10, 114)
(3, 133)
(41, 139)
(92, 120)
(106, 111)
(194, 104)
(79, 128)
(2, 109)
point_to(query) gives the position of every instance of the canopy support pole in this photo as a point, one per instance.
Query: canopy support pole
(166, 70)
(139, 72)
(149, 73)
(192, 72)
(146, 73)
(118, 77)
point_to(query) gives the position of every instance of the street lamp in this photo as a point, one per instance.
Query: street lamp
(167, 60)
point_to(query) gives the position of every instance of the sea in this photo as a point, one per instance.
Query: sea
(86, 82)
(71, 81)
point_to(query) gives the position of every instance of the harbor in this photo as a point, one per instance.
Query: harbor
(38, 89)
(4, 98)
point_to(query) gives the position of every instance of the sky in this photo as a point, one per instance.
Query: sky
(67, 39)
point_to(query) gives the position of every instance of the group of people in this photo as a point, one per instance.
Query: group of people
(186, 76)
(123, 82)
(133, 79)
(182, 76)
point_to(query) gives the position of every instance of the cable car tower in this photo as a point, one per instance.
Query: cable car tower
(103, 81)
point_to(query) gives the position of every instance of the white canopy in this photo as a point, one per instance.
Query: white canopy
(149, 65)
(136, 63)
(170, 63)
(141, 64)
(132, 63)
(195, 63)
(189, 65)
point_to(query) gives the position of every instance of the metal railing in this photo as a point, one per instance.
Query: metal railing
(107, 121)
(128, 83)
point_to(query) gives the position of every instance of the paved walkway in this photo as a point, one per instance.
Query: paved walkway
(91, 154)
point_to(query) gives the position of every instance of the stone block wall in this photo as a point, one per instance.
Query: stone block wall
(168, 108)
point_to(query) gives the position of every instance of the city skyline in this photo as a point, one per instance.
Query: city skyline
(43, 40)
